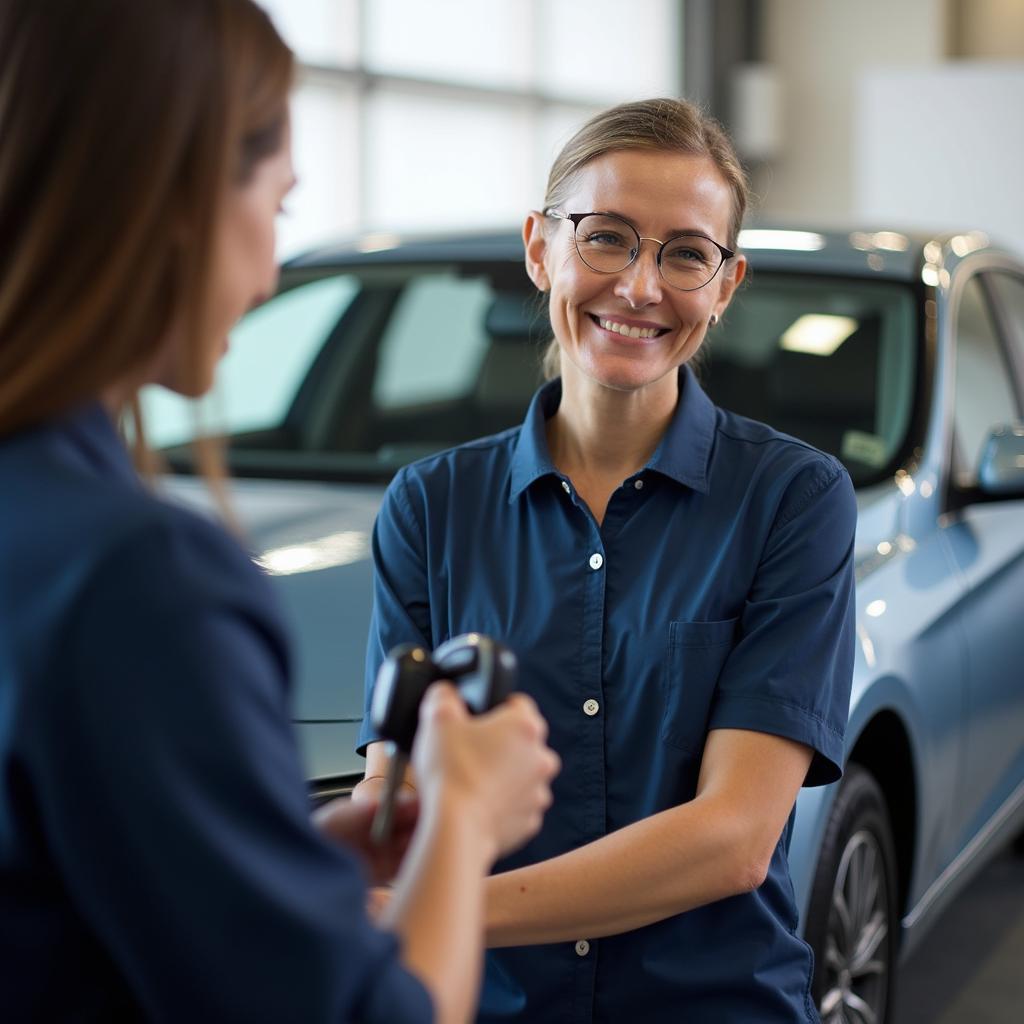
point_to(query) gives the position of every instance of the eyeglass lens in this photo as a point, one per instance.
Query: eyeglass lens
(608, 244)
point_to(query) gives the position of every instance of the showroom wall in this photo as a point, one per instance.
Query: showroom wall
(819, 49)
(905, 113)
(416, 116)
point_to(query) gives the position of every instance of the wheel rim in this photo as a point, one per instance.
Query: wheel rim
(856, 968)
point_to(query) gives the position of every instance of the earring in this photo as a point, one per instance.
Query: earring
(713, 320)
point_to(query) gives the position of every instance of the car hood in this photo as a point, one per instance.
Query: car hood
(313, 540)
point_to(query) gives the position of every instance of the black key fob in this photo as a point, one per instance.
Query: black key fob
(401, 683)
(484, 671)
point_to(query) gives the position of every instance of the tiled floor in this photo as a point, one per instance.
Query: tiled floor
(970, 968)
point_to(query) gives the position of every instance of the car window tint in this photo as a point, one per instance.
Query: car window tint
(1009, 291)
(831, 362)
(983, 398)
(434, 342)
(271, 352)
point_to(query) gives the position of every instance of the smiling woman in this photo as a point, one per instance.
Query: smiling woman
(655, 562)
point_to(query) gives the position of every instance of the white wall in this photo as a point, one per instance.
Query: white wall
(819, 49)
(942, 147)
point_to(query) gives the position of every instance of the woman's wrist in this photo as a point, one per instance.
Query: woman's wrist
(383, 778)
(458, 815)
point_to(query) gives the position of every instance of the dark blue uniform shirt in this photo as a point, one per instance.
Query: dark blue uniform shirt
(717, 593)
(157, 859)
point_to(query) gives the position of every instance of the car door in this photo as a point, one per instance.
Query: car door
(987, 538)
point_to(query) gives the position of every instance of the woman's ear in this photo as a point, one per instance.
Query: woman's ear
(730, 283)
(536, 247)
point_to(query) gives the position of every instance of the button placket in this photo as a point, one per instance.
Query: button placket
(589, 675)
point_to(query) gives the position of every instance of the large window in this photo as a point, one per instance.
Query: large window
(415, 116)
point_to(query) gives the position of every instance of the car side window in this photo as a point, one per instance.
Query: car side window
(1009, 290)
(434, 343)
(271, 352)
(984, 396)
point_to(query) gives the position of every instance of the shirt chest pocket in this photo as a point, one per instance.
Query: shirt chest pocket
(696, 654)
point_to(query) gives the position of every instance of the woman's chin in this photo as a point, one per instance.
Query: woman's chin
(620, 374)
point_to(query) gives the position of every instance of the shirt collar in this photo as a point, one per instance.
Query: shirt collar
(682, 455)
(531, 458)
(89, 437)
(685, 450)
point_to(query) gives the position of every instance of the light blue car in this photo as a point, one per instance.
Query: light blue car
(902, 355)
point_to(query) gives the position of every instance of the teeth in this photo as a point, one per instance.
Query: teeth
(629, 332)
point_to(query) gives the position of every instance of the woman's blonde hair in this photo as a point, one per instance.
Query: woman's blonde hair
(665, 125)
(124, 123)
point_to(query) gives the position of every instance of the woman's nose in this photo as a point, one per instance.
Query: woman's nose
(640, 282)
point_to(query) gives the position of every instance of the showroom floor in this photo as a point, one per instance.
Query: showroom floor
(970, 969)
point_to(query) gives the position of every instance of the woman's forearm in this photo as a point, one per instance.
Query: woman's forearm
(438, 909)
(664, 865)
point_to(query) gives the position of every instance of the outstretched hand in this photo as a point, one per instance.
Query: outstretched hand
(347, 822)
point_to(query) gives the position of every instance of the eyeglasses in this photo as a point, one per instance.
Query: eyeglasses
(608, 244)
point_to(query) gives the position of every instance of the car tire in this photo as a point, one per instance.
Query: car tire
(852, 919)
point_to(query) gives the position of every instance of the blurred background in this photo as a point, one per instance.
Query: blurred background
(414, 116)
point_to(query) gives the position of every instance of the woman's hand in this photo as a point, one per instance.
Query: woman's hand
(497, 767)
(372, 789)
(348, 822)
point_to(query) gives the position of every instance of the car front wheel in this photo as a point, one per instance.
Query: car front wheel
(852, 922)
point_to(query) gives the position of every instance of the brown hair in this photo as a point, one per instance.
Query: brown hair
(671, 125)
(123, 126)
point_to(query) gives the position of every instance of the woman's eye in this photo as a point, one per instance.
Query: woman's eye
(687, 256)
(605, 238)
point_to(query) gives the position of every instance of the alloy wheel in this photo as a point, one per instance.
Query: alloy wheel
(857, 940)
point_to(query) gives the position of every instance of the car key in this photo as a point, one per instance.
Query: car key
(483, 671)
(401, 683)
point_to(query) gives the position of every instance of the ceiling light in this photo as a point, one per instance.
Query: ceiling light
(761, 238)
(818, 334)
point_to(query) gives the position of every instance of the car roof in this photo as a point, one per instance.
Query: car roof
(877, 252)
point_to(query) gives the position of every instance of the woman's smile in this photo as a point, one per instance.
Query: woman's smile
(623, 329)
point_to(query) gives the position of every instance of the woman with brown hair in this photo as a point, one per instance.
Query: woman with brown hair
(157, 855)
(676, 581)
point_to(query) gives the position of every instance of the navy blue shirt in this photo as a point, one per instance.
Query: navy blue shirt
(716, 593)
(157, 858)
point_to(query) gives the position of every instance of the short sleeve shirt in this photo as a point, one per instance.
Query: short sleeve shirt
(716, 593)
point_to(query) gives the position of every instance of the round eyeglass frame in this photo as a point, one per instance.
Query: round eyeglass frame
(575, 218)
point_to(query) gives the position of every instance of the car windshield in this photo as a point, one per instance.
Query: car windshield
(350, 373)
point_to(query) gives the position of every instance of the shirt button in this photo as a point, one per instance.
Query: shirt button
(582, 947)
(638, 484)
(596, 560)
(591, 707)
(566, 487)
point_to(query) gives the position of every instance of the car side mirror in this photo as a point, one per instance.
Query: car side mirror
(1001, 471)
